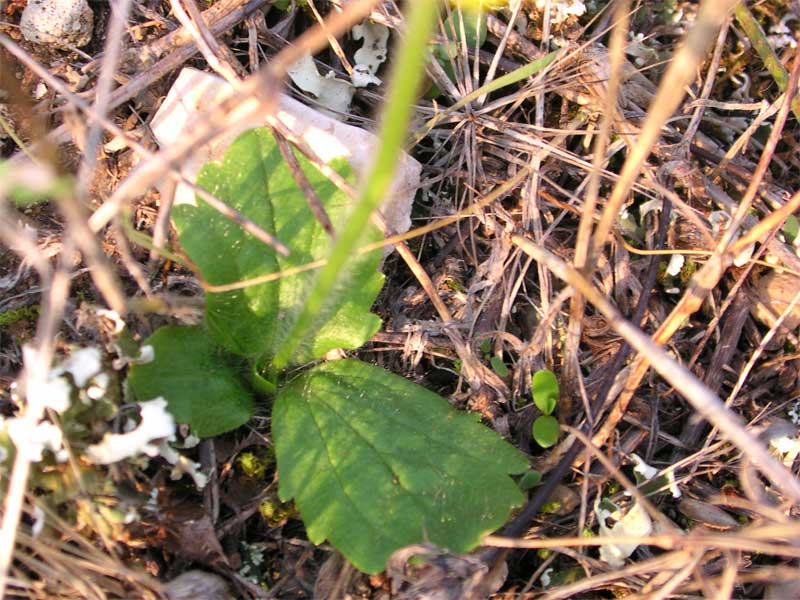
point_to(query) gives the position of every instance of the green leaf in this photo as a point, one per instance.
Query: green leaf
(376, 462)
(447, 52)
(545, 390)
(474, 27)
(545, 431)
(399, 107)
(531, 479)
(194, 376)
(791, 227)
(255, 321)
(499, 366)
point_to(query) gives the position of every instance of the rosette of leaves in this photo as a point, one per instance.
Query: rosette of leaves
(373, 461)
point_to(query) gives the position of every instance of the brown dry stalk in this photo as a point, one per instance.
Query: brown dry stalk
(681, 71)
(256, 96)
(707, 404)
(300, 178)
(209, 47)
(248, 225)
(755, 538)
(709, 276)
(582, 245)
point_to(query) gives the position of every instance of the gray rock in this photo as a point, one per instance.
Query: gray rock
(57, 22)
(197, 585)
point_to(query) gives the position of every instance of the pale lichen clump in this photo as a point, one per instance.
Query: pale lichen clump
(635, 523)
(561, 10)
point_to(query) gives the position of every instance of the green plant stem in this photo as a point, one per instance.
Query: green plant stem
(263, 382)
(771, 61)
(407, 76)
(145, 241)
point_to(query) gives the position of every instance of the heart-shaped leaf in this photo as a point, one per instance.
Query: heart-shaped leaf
(545, 431)
(254, 321)
(201, 387)
(499, 366)
(376, 462)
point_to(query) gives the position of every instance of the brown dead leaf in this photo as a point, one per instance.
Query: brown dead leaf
(707, 514)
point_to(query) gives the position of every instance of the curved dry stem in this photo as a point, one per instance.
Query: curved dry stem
(707, 404)
(710, 18)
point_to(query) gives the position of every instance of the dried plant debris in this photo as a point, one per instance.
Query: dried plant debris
(524, 133)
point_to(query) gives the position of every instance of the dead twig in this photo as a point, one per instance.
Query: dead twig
(708, 405)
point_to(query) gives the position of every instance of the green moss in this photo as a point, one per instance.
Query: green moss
(16, 315)
(254, 465)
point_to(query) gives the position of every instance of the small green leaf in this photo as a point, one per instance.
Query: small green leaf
(486, 346)
(256, 320)
(791, 227)
(499, 366)
(200, 386)
(545, 431)
(474, 27)
(544, 388)
(531, 479)
(447, 52)
(376, 462)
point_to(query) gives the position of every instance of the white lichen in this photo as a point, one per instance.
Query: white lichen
(151, 437)
(794, 412)
(83, 364)
(546, 578)
(332, 93)
(648, 472)
(32, 437)
(156, 424)
(636, 523)
(182, 466)
(786, 448)
(780, 34)
(675, 265)
(561, 10)
(38, 521)
(371, 55)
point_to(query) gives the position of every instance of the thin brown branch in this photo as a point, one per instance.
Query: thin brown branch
(707, 404)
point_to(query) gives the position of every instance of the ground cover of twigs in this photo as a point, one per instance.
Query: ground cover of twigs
(603, 267)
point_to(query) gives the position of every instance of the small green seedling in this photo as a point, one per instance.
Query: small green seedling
(530, 480)
(545, 391)
(498, 366)
(791, 227)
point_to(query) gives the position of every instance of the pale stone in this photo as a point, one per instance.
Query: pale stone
(58, 22)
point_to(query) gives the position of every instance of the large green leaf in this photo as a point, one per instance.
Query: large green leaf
(194, 376)
(376, 462)
(254, 321)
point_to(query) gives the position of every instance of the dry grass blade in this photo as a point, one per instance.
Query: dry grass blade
(710, 18)
(651, 123)
(257, 95)
(708, 405)
(215, 203)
